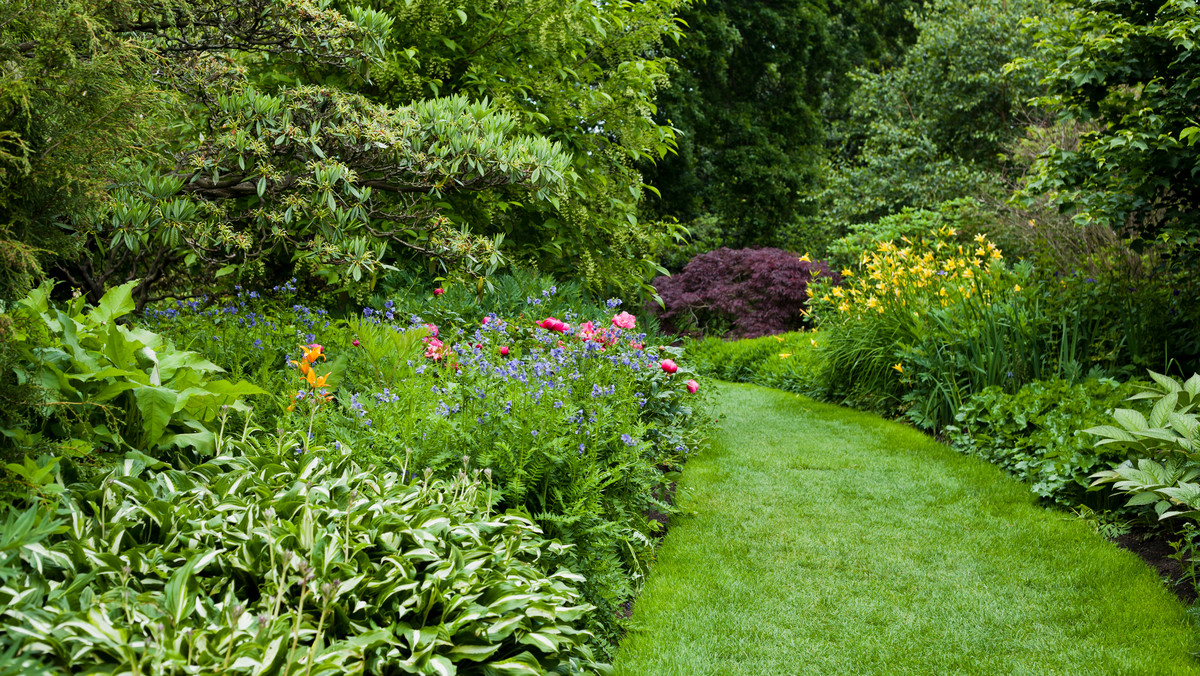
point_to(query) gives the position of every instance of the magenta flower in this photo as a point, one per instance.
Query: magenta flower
(354, 342)
(693, 386)
(504, 351)
(669, 366)
(552, 324)
(438, 291)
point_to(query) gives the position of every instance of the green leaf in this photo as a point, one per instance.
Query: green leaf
(1163, 410)
(1130, 419)
(117, 302)
(475, 653)
(157, 405)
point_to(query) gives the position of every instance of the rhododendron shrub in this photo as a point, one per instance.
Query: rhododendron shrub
(739, 293)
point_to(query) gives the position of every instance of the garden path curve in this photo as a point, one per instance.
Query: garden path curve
(821, 540)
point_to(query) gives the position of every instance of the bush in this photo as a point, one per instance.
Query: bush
(94, 384)
(1037, 434)
(739, 293)
(320, 567)
(965, 215)
(1164, 469)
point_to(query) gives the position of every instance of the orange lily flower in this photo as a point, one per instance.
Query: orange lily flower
(312, 352)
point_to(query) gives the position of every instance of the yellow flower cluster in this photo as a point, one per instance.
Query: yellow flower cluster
(912, 278)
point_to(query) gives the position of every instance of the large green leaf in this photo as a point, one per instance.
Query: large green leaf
(117, 302)
(157, 405)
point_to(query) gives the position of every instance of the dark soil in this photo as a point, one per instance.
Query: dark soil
(1155, 549)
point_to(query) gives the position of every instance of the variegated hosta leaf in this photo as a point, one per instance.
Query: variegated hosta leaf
(218, 567)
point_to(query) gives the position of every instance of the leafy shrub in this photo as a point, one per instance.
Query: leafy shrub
(965, 215)
(1037, 433)
(321, 567)
(901, 295)
(1165, 471)
(739, 293)
(97, 383)
(923, 326)
(787, 362)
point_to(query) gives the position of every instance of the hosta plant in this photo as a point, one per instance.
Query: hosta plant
(1168, 473)
(265, 561)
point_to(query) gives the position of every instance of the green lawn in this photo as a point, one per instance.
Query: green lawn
(822, 540)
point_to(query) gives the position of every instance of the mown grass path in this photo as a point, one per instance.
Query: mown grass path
(822, 540)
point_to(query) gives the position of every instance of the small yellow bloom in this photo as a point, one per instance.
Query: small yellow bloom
(785, 355)
(806, 258)
(1017, 287)
(846, 272)
(980, 238)
(779, 338)
(899, 367)
(813, 341)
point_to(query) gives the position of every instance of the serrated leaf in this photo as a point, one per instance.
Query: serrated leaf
(1163, 409)
(117, 302)
(1130, 419)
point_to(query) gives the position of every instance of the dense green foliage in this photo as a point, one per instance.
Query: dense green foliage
(1037, 434)
(238, 153)
(326, 567)
(583, 74)
(1131, 71)
(1165, 471)
(935, 127)
(755, 84)
(79, 384)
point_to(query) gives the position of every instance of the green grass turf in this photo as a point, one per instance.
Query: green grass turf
(821, 540)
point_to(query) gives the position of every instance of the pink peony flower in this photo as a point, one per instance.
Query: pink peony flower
(504, 351)
(486, 320)
(433, 349)
(669, 366)
(432, 329)
(624, 321)
(438, 291)
(552, 324)
(586, 331)
(693, 386)
(354, 342)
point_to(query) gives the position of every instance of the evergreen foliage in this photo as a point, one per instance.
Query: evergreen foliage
(582, 73)
(755, 85)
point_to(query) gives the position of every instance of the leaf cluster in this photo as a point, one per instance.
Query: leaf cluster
(260, 561)
(1037, 434)
(1166, 471)
(739, 293)
(100, 385)
(1130, 68)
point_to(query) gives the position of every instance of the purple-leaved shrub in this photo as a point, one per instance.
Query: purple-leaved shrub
(738, 293)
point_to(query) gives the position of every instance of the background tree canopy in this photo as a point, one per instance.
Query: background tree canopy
(172, 142)
(756, 87)
(1131, 71)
